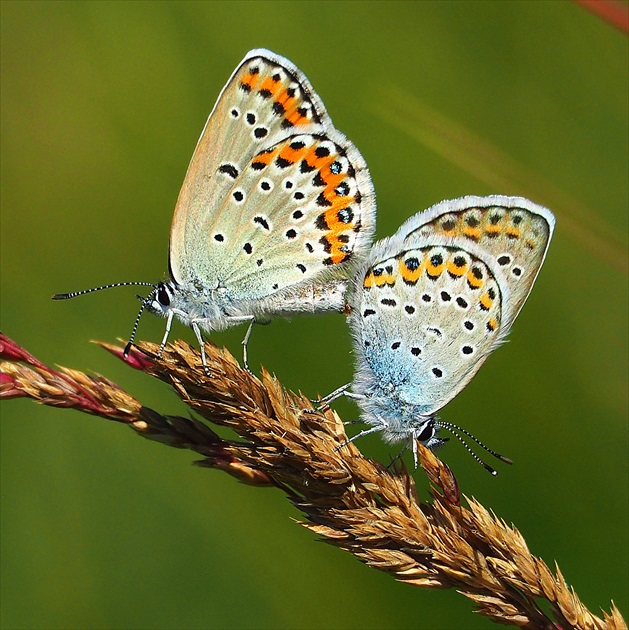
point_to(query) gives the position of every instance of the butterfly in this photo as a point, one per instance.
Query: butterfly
(432, 302)
(276, 209)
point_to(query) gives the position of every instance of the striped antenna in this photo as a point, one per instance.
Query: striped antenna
(67, 296)
(145, 302)
(453, 428)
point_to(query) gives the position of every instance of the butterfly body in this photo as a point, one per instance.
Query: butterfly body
(216, 310)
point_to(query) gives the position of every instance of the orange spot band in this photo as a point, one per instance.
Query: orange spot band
(473, 281)
(473, 233)
(410, 276)
(486, 301)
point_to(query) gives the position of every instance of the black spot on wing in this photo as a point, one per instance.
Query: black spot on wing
(229, 169)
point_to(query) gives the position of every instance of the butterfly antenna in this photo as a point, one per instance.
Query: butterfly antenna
(67, 296)
(450, 426)
(145, 302)
(453, 428)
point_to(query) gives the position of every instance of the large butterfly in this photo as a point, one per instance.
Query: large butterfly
(431, 303)
(276, 209)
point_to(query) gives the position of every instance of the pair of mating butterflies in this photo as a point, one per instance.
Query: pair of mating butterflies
(276, 216)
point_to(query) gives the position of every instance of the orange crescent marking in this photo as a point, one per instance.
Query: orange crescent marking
(456, 271)
(407, 274)
(296, 118)
(331, 215)
(486, 302)
(336, 253)
(284, 97)
(319, 162)
(337, 256)
(380, 280)
(290, 154)
(473, 233)
(270, 85)
(473, 281)
(332, 180)
(250, 79)
(434, 270)
(265, 157)
(310, 157)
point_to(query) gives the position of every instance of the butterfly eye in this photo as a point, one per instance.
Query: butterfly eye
(427, 432)
(162, 295)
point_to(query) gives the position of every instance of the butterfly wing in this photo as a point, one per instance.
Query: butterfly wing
(432, 302)
(274, 195)
(512, 234)
(424, 318)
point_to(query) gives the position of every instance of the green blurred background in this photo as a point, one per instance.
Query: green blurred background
(102, 104)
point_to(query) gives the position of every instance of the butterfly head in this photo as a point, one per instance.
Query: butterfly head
(426, 433)
(159, 300)
(402, 423)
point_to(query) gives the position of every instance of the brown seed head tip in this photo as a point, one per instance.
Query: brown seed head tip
(449, 485)
(238, 469)
(440, 474)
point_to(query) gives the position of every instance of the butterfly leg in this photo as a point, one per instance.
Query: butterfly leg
(415, 449)
(397, 458)
(358, 435)
(245, 341)
(199, 336)
(239, 320)
(324, 402)
(337, 393)
(169, 323)
(401, 453)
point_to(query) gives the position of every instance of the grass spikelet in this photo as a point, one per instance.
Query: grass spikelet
(351, 502)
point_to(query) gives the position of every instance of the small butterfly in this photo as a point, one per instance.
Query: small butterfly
(432, 302)
(276, 209)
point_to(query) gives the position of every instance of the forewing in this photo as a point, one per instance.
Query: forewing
(274, 195)
(424, 319)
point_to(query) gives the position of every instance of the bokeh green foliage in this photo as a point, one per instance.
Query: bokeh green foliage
(102, 104)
